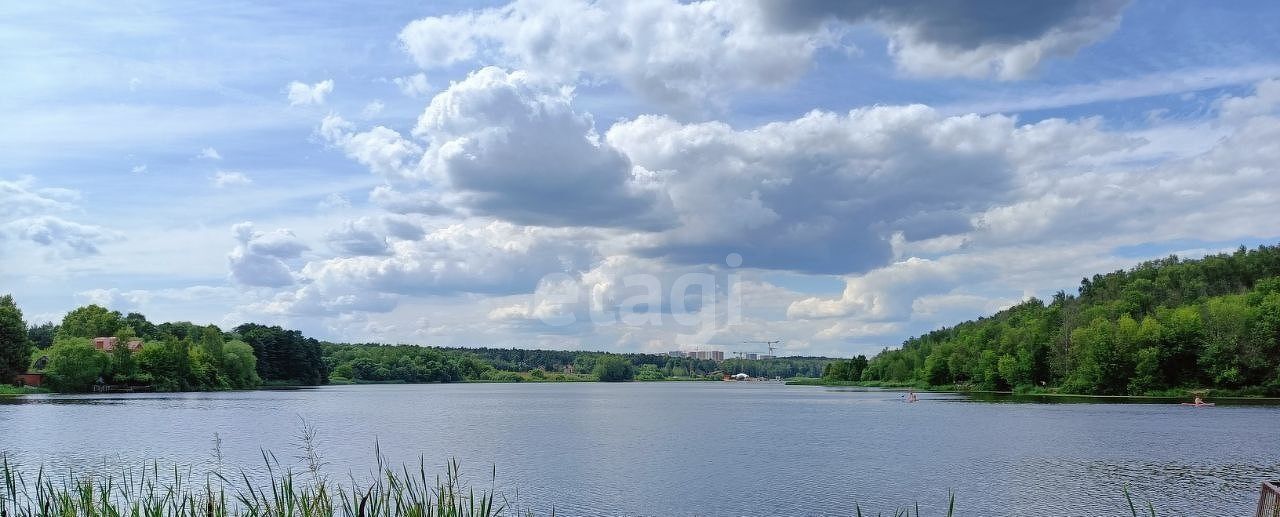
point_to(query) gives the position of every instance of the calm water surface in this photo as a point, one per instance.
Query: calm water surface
(697, 448)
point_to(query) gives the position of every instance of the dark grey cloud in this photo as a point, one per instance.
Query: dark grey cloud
(964, 24)
(372, 235)
(825, 193)
(510, 147)
(1006, 39)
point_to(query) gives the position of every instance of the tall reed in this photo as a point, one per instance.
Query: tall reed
(152, 491)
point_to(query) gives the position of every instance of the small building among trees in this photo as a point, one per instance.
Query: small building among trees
(32, 379)
(108, 344)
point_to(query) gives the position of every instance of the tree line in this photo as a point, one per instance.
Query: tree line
(372, 362)
(182, 356)
(402, 363)
(174, 356)
(1165, 325)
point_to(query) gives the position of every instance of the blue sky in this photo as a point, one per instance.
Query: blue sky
(444, 172)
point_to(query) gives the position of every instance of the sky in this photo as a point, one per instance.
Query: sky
(647, 175)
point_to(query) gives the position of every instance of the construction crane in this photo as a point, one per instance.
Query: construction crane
(769, 344)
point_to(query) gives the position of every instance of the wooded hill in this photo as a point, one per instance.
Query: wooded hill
(1165, 324)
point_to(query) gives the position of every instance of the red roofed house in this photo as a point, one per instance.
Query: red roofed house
(107, 344)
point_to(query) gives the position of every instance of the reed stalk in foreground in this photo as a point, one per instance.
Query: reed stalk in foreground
(152, 491)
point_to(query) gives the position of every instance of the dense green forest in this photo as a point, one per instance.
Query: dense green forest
(407, 363)
(285, 356)
(515, 360)
(1169, 324)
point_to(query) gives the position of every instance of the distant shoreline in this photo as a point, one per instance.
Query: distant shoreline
(1013, 394)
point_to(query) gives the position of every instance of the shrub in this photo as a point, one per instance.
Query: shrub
(613, 369)
(74, 365)
(649, 372)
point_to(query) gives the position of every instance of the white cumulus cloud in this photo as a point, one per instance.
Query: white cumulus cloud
(686, 55)
(260, 259)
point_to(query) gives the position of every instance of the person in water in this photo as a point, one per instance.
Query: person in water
(911, 396)
(1199, 401)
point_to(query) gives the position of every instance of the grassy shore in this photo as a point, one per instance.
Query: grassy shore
(6, 389)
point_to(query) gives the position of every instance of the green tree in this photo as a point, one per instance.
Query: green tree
(850, 370)
(74, 365)
(647, 372)
(583, 363)
(42, 335)
(1146, 371)
(124, 368)
(90, 321)
(1226, 338)
(210, 339)
(145, 329)
(15, 350)
(285, 355)
(167, 363)
(206, 371)
(1011, 371)
(936, 372)
(239, 365)
(613, 368)
(1184, 339)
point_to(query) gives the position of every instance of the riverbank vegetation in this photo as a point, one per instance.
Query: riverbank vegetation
(6, 389)
(1164, 327)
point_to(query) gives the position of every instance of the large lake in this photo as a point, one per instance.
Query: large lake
(697, 448)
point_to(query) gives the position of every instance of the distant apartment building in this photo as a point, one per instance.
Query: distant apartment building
(751, 356)
(767, 356)
(706, 355)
